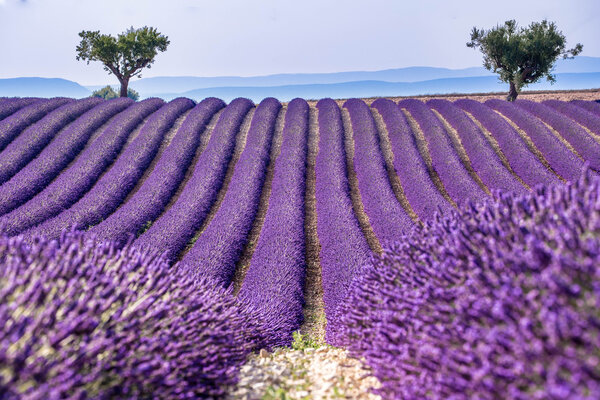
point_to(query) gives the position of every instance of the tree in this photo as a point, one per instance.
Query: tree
(107, 93)
(522, 55)
(124, 56)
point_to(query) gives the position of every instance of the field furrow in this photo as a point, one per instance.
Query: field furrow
(10, 106)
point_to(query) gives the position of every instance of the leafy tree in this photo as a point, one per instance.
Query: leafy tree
(124, 56)
(107, 92)
(522, 55)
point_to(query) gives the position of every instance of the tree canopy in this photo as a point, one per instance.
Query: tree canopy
(126, 55)
(522, 55)
(107, 93)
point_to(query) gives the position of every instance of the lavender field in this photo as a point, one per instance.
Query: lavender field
(453, 245)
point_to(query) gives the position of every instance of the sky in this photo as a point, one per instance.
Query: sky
(261, 37)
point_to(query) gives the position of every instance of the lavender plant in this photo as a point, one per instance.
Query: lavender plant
(69, 142)
(591, 106)
(563, 161)
(343, 246)
(156, 191)
(84, 320)
(424, 198)
(485, 162)
(572, 132)
(218, 249)
(12, 105)
(112, 188)
(34, 138)
(580, 115)
(499, 300)
(445, 161)
(175, 227)
(275, 279)
(13, 125)
(386, 215)
(73, 182)
(525, 164)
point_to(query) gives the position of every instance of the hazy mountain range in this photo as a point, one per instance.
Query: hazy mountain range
(579, 73)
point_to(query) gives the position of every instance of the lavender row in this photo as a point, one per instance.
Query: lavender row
(386, 215)
(112, 188)
(275, 279)
(563, 161)
(57, 155)
(10, 106)
(103, 323)
(13, 125)
(424, 198)
(174, 228)
(498, 301)
(485, 162)
(156, 191)
(577, 137)
(580, 115)
(220, 246)
(343, 246)
(454, 176)
(73, 182)
(33, 139)
(525, 164)
(591, 106)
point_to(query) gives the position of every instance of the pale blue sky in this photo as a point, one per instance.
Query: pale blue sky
(242, 37)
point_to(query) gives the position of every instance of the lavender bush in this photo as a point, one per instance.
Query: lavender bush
(422, 194)
(499, 300)
(563, 161)
(156, 191)
(84, 320)
(386, 215)
(34, 138)
(275, 279)
(580, 115)
(591, 106)
(485, 162)
(112, 188)
(453, 174)
(36, 175)
(12, 105)
(80, 176)
(573, 133)
(175, 227)
(343, 245)
(525, 164)
(218, 249)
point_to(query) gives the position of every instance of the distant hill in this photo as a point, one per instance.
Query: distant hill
(159, 85)
(567, 81)
(41, 87)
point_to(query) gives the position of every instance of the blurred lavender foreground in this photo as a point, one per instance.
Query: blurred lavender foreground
(81, 319)
(499, 300)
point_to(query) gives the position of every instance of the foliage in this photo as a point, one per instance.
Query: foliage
(107, 93)
(522, 55)
(82, 319)
(124, 56)
(302, 342)
(499, 300)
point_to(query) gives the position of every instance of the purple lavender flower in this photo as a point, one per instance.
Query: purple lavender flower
(499, 300)
(82, 319)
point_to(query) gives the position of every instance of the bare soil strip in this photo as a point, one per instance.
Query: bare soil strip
(424, 151)
(240, 144)
(165, 143)
(388, 155)
(242, 265)
(204, 139)
(560, 137)
(530, 145)
(494, 143)
(314, 307)
(359, 211)
(462, 153)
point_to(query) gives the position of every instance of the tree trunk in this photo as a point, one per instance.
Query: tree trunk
(512, 94)
(124, 84)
